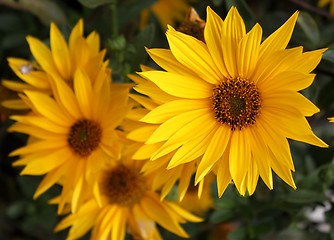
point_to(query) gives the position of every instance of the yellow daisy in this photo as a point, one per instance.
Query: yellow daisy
(128, 205)
(236, 101)
(322, 3)
(61, 61)
(167, 12)
(74, 134)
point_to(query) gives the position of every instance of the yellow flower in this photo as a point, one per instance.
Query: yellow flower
(323, 3)
(167, 12)
(234, 101)
(128, 204)
(61, 61)
(74, 134)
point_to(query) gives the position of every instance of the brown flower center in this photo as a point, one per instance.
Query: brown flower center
(84, 137)
(236, 102)
(123, 186)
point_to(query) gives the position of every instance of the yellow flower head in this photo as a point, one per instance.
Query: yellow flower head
(60, 61)
(128, 205)
(234, 101)
(74, 133)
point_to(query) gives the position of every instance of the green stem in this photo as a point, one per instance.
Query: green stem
(114, 20)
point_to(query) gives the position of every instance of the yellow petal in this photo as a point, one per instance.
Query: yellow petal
(240, 157)
(307, 61)
(47, 107)
(187, 172)
(48, 181)
(214, 151)
(168, 110)
(40, 146)
(141, 134)
(193, 54)
(288, 100)
(178, 85)
(280, 38)
(212, 34)
(223, 174)
(191, 150)
(282, 171)
(185, 214)
(168, 128)
(93, 41)
(287, 80)
(233, 30)
(295, 126)
(165, 59)
(60, 52)
(42, 123)
(65, 96)
(153, 208)
(83, 92)
(47, 162)
(261, 157)
(42, 54)
(76, 33)
(252, 178)
(248, 51)
(275, 141)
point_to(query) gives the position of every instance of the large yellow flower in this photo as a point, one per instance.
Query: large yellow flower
(235, 101)
(61, 61)
(74, 134)
(128, 205)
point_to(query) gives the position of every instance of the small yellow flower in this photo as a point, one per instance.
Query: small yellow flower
(167, 12)
(60, 61)
(128, 205)
(233, 101)
(74, 133)
(323, 3)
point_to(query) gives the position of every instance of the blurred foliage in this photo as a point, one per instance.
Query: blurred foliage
(278, 214)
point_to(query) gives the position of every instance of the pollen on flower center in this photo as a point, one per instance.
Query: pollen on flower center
(84, 137)
(236, 102)
(123, 186)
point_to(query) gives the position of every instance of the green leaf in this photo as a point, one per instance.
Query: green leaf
(238, 234)
(303, 196)
(217, 2)
(9, 22)
(327, 35)
(46, 10)
(222, 215)
(328, 55)
(309, 27)
(95, 3)
(131, 9)
(143, 39)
